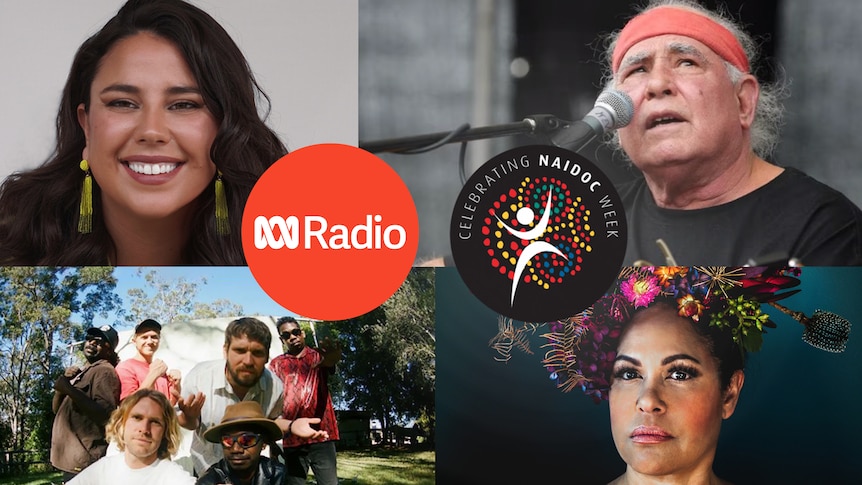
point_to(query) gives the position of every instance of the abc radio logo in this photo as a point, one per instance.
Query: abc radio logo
(538, 233)
(330, 232)
(276, 232)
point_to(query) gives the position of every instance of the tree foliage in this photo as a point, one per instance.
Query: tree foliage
(37, 307)
(388, 366)
(169, 300)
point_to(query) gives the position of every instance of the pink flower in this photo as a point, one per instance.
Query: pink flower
(640, 292)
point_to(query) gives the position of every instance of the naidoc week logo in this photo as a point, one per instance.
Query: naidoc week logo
(330, 231)
(538, 233)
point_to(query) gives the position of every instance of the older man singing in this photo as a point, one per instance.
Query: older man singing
(702, 128)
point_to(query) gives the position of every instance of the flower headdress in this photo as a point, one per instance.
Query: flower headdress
(582, 349)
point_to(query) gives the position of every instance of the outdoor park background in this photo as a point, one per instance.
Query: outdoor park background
(386, 377)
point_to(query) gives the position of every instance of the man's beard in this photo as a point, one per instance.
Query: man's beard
(245, 380)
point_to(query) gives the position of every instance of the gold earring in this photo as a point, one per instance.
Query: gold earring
(222, 223)
(85, 216)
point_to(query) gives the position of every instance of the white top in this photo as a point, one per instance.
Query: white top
(113, 469)
(209, 378)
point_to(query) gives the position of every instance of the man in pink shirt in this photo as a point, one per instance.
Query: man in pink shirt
(143, 371)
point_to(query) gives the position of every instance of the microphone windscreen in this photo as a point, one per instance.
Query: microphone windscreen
(620, 104)
(827, 331)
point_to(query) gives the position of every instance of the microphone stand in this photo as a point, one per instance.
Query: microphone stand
(542, 126)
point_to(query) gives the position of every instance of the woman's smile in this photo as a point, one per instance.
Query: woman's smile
(151, 164)
(152, 170)
(148, 131)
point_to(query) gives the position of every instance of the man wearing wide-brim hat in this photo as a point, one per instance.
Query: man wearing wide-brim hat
(243, 432)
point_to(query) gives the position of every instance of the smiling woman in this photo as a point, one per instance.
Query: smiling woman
(148, 132)
(159, 143)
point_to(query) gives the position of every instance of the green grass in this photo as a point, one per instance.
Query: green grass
(355, 467)
(33, 479)
(386, 466)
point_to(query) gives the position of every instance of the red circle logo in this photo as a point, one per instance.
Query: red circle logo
(330, 231)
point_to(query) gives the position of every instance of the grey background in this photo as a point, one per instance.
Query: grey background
(820, 49)
(303, 54)
(418, 74)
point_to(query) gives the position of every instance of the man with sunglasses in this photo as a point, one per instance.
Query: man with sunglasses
(243, 432)
(304, 372)
(83, 402)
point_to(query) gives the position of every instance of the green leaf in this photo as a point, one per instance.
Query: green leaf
(752, 341)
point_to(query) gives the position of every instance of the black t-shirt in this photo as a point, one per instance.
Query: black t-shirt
(793, 216)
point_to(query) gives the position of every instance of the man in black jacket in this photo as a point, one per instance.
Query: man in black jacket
(243, 432)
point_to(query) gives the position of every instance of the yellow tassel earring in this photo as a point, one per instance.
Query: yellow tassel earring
(222, 223)
(85, 217)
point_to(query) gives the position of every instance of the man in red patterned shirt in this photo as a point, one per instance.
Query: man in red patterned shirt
(304, 372)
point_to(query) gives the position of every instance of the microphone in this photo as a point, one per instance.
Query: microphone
(613, 110)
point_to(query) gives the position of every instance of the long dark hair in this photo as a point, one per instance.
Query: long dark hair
(39, 208)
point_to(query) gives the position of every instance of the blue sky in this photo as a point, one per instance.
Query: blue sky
(231, 283)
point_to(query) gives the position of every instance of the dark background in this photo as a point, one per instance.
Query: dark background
(797, 421)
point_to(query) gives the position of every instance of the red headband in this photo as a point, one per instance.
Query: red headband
(679, 21)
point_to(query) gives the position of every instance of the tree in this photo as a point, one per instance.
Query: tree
(216, 309)
(409, 338)
(388, 366)
(37, 305)
(168, 300)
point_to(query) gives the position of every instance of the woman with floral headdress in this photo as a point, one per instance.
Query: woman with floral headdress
(666, 347)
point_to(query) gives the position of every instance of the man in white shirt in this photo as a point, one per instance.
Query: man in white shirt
(146, 430)
(212, 386)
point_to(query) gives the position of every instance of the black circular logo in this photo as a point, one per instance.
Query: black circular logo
(538, 233)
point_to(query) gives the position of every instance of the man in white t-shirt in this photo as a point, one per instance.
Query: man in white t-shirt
(146, 430)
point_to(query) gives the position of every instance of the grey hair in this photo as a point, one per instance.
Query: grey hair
(769, 112)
